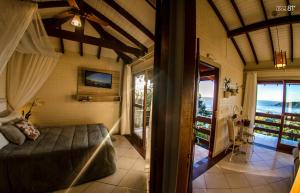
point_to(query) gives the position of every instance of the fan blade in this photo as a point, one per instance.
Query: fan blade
(73, 3)
(96, 19)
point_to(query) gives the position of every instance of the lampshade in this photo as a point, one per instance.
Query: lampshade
(280, 60)
(76, 21)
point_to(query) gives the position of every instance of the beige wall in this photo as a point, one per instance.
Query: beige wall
(213, 41)
(60, 108)
(3, 84)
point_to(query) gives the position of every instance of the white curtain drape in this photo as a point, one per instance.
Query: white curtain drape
(126, 101)
(249, 106)
(31, 64)
(26, 73)
(15, 16)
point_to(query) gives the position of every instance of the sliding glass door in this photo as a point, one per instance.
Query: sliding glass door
(141, 108)
(277, 121)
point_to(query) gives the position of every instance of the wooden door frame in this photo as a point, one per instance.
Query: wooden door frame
(172, 116)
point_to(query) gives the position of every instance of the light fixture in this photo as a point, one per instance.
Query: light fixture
(76, 21)
(280, 56)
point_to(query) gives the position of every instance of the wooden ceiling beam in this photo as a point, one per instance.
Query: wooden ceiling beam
(269, 29)
(237, 11)
(80, 32)
(99, 52)
(264, 24)
(111, 38)
(55, 22)
(130, 18)
(62, 47)
(221, 19)
(88, 40)
(52, 4)
(151, 4)
(89, 9)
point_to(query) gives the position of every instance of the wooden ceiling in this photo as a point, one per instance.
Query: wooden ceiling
(99, 21)
(241, 20)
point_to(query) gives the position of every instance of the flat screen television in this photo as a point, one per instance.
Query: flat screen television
(97, 79)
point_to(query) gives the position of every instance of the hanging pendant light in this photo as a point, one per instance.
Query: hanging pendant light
(280, 61)
(76, 21)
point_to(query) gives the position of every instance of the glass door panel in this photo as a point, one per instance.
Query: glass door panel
(138, 109)
(268, 113)
(291, 126)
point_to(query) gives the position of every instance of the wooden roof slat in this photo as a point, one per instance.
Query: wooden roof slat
(130, 18)
(111, 38)
(269, 30)
(237, 11)
(51, 4)
(291, 34)
(90, 9)
(221, 19)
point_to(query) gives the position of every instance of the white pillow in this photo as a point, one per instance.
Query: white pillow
(3, 141)
(12, 116)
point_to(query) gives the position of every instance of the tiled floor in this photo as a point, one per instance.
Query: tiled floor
(130, 176)
(267, 171)
(272, 141)
(200, 153)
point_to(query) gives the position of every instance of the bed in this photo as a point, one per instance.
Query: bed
(56, 158)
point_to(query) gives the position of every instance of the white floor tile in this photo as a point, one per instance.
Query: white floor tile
(199, 183)
(135, 180)
(97, 187)
(242, 190)
(125, 163)
(237, 180)
(114, 179)
(214, 180)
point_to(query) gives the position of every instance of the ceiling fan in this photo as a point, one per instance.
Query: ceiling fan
(77, 15)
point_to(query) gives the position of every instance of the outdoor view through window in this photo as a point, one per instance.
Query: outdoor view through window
(270, 100)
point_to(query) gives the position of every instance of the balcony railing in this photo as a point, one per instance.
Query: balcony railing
(202, 129)
(272, 124)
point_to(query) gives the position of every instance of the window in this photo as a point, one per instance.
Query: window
(277, 121)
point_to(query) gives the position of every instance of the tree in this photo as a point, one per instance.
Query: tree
(202, 108)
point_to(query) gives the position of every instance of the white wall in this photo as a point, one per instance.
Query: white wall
(60, 108)
(213, 40)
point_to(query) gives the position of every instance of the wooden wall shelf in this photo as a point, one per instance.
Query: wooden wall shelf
(96, 98)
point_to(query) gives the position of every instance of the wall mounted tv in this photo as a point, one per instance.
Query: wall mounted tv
(97, 79)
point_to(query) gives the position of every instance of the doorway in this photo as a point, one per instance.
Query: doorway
(141, 109)
(205, 115)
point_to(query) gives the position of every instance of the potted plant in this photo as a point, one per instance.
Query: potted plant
(227, 92)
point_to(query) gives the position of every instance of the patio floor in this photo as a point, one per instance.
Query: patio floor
(200, 153)
(272, 141)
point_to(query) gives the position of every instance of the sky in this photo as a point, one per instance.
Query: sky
(206, 88)
(274, 92)
(269, 92)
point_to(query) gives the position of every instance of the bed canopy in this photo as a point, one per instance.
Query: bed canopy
(25, 50)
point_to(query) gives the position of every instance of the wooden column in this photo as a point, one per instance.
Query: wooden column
(173, 96)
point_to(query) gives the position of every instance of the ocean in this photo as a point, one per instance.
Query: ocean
(263, 106)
